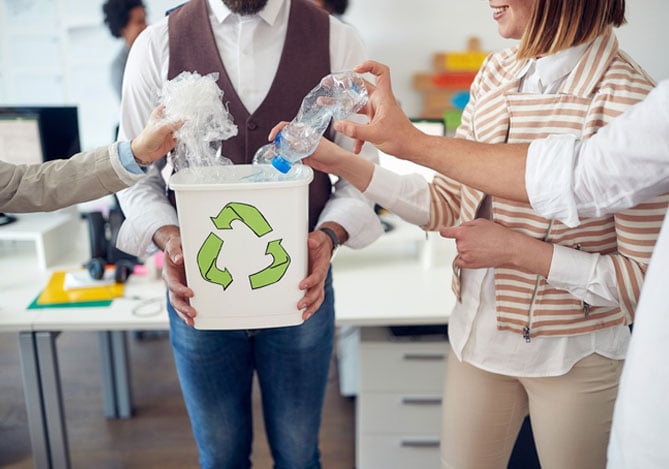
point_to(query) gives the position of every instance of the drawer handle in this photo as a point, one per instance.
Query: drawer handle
(424, 356)
(419, 443)
(421, 400)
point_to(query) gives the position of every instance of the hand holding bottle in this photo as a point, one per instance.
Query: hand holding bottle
(389, 129)
(336, 97)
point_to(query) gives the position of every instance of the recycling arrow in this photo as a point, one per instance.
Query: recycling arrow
(206, 261)
(276, 270)
(211, 248)
(247, 214)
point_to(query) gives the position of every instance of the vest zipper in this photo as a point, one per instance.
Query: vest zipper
(527, 330)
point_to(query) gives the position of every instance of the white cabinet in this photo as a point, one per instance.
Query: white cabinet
(399, 400)
(52, 233)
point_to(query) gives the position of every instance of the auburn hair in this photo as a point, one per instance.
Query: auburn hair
(556, 25)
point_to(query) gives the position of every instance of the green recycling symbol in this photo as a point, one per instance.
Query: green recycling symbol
(256, 222)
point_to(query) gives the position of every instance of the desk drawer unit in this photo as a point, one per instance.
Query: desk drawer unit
(399, 400)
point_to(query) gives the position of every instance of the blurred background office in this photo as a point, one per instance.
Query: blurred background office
(60, 51)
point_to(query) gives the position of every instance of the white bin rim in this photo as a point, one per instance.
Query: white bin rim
(196, 179)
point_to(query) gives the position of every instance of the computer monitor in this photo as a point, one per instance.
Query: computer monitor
(34, 134)
(57, 126)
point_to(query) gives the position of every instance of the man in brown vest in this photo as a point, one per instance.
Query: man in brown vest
(268, 54)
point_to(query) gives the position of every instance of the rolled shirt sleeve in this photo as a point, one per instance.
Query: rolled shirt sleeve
(590, 277)
(549, 178)
(622, 165)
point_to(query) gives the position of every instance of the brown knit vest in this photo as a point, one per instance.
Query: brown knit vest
(305, 59)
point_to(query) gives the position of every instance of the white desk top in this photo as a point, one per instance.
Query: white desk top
(21, 281)
(401, 279)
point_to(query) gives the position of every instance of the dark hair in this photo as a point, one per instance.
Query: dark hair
(337, 7)
(556, 25)
(117, 14)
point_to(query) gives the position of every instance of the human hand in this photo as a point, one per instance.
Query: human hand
(388, 129)
(174, 275)
(482, 243)
(320, 251)
(328, 157)
(156, 139)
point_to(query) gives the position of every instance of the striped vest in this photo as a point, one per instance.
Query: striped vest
(603, 84)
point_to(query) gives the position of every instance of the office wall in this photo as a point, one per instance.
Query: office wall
(59, 51)
(404, 34)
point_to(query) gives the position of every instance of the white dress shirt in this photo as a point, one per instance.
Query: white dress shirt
(472, 325)
(624, 164)
(250, 47)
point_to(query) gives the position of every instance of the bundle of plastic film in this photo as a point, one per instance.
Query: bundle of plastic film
(197, 101)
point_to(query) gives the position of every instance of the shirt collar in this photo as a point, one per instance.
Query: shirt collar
(556, 66)
(269, 14)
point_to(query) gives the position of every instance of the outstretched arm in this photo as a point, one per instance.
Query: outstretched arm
(494, 169)
(559, 176)
(86, 176)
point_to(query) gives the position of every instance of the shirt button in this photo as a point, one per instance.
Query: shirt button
(251, 125)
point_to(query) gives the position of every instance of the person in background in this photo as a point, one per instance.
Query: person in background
(623, 164)
(125, 19)
(334, 7)
(87, 175)
(541, 322)
(256, 47)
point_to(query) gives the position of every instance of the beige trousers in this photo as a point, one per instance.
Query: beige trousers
(571, 415)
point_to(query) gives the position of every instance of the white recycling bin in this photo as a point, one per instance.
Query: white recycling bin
(244, 245)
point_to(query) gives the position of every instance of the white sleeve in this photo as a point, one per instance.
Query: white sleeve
(625, 163)
(549, 178)
(406, 195)
(590, 277)
(145, 204)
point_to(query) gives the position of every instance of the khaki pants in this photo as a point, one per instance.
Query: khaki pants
(571, 415)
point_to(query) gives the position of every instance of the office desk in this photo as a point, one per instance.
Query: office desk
(22, 280)
(401, 279)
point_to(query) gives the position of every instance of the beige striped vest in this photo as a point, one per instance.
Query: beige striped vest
(603, 84)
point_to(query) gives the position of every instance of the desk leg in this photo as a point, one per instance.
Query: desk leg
(121, 374)
(107, 370)
(32, 389)
(53, 398)
(116, 387)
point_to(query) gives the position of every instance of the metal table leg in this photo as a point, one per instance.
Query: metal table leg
(32, 389)
(121, 374)
(107, 370)
(53, 399)
(116, 386)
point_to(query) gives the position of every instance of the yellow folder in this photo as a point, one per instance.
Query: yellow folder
(54, 293)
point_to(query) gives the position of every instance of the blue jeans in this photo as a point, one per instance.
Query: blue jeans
(216, 374)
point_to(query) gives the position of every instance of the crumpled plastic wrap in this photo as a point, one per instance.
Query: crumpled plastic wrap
(197, 101)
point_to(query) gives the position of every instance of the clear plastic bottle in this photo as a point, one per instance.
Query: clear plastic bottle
(337, 96)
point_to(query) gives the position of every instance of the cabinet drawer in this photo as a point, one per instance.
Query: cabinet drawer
(398, 452)
(399, 413)
(388, 369)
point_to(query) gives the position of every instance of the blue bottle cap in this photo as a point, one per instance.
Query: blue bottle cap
(281, 164)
